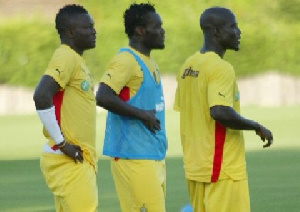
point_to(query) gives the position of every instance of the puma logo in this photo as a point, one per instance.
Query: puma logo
(58, 71)
(221, 94)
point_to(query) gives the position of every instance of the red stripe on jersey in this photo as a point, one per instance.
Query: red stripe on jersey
(125, 94)
(57, 101)
(220, 135)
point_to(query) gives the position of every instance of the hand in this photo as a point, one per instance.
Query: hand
(73, 151)
(150, 120)
(265, 134)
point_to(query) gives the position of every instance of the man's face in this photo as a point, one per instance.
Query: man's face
(155, 34)
(84, 32)
(231, 34)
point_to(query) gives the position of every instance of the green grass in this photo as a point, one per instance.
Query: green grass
(274, 173)
(21, 136)
(274, 184)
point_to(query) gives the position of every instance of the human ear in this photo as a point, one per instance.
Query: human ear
(140, 31)
(217, 32)
(69, 33)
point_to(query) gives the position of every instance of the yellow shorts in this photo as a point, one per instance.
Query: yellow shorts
(140, 184)
(222, 196)
(73, 185)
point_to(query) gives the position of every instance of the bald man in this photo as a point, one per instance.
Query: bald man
(208, 100)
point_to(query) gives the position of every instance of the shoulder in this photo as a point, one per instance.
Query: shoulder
(123, 58)
(220, 66)
(65, 55)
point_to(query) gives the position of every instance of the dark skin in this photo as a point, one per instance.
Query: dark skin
(218, 39)
(80, 35)
(144, 40)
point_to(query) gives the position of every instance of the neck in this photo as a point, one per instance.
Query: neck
(212, 46)
(72, 46)
(140, 47)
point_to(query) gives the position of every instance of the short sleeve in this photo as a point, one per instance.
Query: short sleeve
(61, 68)
(176, 105)
(221, 83)
(119, 71)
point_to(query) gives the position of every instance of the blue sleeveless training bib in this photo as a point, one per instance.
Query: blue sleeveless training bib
(129, 138)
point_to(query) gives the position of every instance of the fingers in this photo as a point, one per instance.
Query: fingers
(267, 136)
(78, 156)
(78, 148)
(264, 135)
(157, 124)
(269, 143)
(152, 122)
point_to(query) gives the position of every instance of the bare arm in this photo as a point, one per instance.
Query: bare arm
(108, 99)
(233, 120)
(43, 98)
(44, 93)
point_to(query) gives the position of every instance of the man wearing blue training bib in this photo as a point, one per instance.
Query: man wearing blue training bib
(135, 136)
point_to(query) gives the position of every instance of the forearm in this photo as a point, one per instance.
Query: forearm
(116, 105)
(240, 123)
(233, 120)
(109, 100)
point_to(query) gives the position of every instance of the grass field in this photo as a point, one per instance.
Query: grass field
(274, 174)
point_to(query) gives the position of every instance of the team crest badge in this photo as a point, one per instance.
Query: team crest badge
(85, 85)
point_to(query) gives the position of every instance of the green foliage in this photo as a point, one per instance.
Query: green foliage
(270, 31)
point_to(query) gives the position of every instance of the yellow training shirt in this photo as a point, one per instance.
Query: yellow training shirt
(75, 104)
(124, 74)
(211, 151)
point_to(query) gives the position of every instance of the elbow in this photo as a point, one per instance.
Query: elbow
(100, 101)
(219, 113)
(41, 100)
(104, 96)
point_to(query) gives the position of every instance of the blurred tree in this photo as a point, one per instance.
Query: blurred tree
(270, 34)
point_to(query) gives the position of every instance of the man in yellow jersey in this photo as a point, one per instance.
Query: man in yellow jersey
(66, 105)
(135, 136)
(208, 100)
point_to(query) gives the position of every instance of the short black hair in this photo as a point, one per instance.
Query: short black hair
(62, 17)
(135, 16)
(214, 16)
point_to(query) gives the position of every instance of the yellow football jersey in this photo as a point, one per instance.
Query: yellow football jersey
(75, 104)
(124, 74)
(211, 151)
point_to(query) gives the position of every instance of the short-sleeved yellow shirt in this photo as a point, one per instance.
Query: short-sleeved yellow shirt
(75, 104)
(124, 74)
(211, 151)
